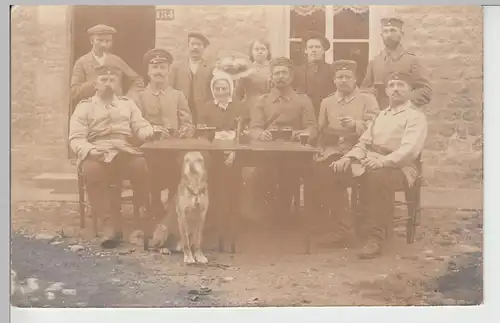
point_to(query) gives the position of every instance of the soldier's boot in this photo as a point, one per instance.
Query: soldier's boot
(372, 249)
(113, 234)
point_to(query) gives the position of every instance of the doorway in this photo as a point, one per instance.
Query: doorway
(135, 26)
(135, 33)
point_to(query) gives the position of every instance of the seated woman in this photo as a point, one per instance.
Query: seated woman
(224, 113)
(343, 117)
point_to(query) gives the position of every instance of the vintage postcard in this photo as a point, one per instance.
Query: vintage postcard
(246, 156)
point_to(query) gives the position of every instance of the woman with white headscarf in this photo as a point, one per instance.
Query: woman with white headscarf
(222, 112)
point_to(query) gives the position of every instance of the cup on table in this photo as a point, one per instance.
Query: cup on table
(286, 133)
(304, 139)
(206, 132)
(274, 132)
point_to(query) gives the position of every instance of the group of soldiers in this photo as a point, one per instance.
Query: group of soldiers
(375, 132)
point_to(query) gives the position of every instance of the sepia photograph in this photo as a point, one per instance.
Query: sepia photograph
(174, 156)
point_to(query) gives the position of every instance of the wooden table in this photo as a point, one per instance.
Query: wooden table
(247, 155)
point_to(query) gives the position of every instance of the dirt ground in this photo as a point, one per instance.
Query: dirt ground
(443, 267)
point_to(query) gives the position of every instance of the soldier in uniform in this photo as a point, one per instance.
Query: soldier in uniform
(100, 132)
(385, 157)
(281, 107)
(84, 76)
(395, 58)
(193, 75)
(167, 110)
(343, 117)
(314, 78)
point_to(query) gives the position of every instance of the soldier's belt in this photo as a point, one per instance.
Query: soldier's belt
(110, 137)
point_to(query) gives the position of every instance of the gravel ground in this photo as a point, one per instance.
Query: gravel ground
(98, 281)
(443, 267)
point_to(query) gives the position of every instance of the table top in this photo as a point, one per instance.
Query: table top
(226, 145)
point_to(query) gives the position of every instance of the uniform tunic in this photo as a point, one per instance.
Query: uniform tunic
(167, 108)
(110, 127)
(400, 60)
(283, 109)
(362, 107)
(397, 136)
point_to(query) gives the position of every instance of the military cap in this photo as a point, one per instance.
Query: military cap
(199, 36)
(403, 76)
(392, 21)
(281, 61)
(158, 55)
(344, 65)
(101, 30)
(315, 35)
(107, 70)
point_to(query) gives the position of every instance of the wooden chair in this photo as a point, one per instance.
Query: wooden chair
(412, 203)
(83, 203)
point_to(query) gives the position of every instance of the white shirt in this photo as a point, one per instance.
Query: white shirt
(193, 66)
(101, 59)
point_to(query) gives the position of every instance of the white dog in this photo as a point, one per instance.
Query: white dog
(191, 205)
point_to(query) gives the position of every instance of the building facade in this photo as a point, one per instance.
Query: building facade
(46, 40)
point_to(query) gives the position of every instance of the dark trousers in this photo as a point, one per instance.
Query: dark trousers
(327, 193)
(222, 187)
(327, 189)
(275, 183)
(377, 199)
(165, 172)
(103, 181)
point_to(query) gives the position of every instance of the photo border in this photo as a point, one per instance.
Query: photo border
(483, 313)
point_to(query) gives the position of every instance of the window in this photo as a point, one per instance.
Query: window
(346, 27)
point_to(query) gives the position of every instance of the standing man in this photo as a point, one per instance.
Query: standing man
(387, 152)
(395, 58)
(83, 78)
(100, 131)
(193, 76)
(281, 107)
(314, 78)
(167, 110)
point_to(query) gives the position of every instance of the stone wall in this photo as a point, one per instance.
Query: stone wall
(228, 28)
(39, 94)
(448, 39)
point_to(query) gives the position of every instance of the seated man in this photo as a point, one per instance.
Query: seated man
(281, 107)
(343, 117)
(100, 132)
(386, 153)
(167, 110)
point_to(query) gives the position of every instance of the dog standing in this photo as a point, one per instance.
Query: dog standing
(191, 205)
